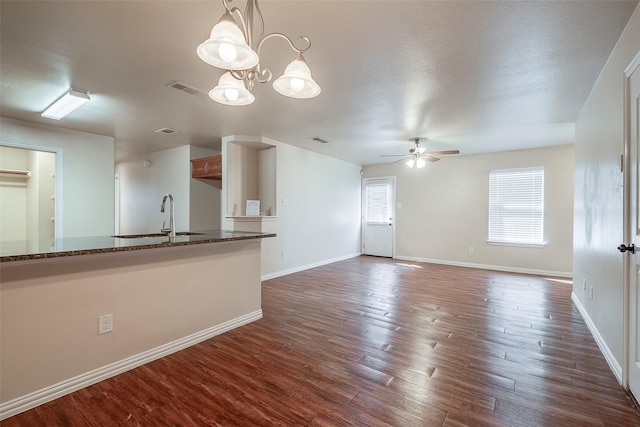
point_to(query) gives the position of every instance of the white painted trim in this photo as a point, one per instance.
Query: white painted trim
(252, 218)
(606, 352)
(627, 231)
(635, 63)
(489, 267)
(308, 266)
(47, 394)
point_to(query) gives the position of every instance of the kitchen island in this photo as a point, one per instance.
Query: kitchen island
(163, 293)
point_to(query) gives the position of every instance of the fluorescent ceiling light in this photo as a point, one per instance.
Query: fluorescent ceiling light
(66, 104)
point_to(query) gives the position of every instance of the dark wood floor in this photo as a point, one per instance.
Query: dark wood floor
(375, 342)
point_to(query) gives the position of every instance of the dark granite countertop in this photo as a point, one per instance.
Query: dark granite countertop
(24, 250)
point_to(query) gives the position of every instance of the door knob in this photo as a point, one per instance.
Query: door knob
(631, 248)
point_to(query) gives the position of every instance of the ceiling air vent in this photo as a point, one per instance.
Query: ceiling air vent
(320, 140)
(184, 88)
(166, 131)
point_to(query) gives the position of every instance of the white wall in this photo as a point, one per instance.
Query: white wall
(598, 221)
(321, 218)
(267, 161)
(445, 210)
(319, 221)
(142, 188)
(87, 191)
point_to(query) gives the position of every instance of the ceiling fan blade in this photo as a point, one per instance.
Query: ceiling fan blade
(404, 159)
(429, 157)
(393, 155)
(441, 153)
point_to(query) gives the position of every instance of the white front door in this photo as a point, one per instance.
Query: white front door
(632, 120)
(378, 201)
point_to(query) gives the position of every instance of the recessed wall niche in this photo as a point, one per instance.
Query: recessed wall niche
(250, 175)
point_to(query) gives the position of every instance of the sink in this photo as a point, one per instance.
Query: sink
(141, 236)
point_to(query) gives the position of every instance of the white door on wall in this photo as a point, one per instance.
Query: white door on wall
(632, 319)
(378, 201)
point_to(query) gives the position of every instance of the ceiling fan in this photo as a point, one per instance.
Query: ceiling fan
(417, 155)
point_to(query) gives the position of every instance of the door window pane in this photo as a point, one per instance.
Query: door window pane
(378, 203)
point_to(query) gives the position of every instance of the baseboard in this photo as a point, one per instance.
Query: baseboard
(308, 266)
(537, 272)
(606, 352)
(62, 388)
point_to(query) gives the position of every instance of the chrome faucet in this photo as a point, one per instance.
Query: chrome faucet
(171, 231)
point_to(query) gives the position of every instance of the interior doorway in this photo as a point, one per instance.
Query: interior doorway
(28, 202)
(378, 216)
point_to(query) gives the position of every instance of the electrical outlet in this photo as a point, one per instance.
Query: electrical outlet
(105, 324)
(471, 249)
(284, 254)
(591, 292)
(584, 284)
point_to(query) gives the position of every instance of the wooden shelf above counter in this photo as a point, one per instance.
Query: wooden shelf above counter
(207, 168)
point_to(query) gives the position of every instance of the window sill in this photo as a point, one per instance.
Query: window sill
(520, 245)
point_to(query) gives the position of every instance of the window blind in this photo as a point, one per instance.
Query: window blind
(378, 203)
(516, 205)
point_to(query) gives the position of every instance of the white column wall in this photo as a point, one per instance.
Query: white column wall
(598, 201)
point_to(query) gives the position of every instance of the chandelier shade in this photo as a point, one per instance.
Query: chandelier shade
(226, 47)
(231, 46)
(231, 91)
(296, 82)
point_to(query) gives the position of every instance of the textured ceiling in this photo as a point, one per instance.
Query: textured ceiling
(476, 76)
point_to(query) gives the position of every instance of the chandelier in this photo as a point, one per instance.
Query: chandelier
(232, 47)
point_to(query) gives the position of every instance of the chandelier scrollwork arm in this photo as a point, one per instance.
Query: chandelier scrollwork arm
(264, 76)
(301, 39)
(233, 47)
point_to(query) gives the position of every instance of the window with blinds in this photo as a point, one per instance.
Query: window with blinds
(516, 206)
(378, 203)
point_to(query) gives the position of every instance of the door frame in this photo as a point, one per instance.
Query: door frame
(363, 186)
(627, 232)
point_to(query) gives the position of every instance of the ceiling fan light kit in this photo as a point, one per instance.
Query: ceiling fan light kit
(418, 156)
(231, 47)
(416, 161)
